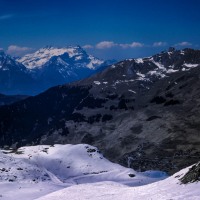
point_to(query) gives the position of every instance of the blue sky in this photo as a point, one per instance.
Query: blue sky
(106, 28)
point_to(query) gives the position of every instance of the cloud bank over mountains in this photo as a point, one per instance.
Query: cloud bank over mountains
(18, 50)
(110, 44)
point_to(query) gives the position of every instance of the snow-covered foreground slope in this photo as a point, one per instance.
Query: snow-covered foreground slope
(81, 172)
(168, 189)
(32, 172)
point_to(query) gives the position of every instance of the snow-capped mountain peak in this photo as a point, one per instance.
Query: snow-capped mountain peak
(43, 55)
(47, 67)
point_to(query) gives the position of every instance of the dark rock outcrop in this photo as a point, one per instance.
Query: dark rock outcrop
(193, 175)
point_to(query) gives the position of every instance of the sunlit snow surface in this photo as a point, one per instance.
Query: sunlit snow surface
(43, 55)
(80, 172)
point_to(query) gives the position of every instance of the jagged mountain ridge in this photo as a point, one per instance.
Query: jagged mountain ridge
(42, 56)
(142, 113)
(45, 68)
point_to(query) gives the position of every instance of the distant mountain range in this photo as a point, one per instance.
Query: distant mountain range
(142, 113)
(47, 67)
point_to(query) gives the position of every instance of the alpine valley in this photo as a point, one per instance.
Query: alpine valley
(134, 123)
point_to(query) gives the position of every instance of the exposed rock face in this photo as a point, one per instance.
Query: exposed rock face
(193, 175)
(142, 113)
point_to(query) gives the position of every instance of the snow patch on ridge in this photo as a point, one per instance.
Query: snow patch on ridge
(94, 62)
(139, 60)
(189, 65)
(169, 71)
(159, 65)
(97, 83)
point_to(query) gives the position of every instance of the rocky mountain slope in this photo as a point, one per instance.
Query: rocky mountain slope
(9, 99)
(142, 113)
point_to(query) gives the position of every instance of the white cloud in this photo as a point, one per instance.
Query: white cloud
(110, 44)
(136, 44)
(132, 45)
(159, 44)
(3, 17)
(184, 44)
(88, 46)
(124, 46)
(17, 50)
(105, 45)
